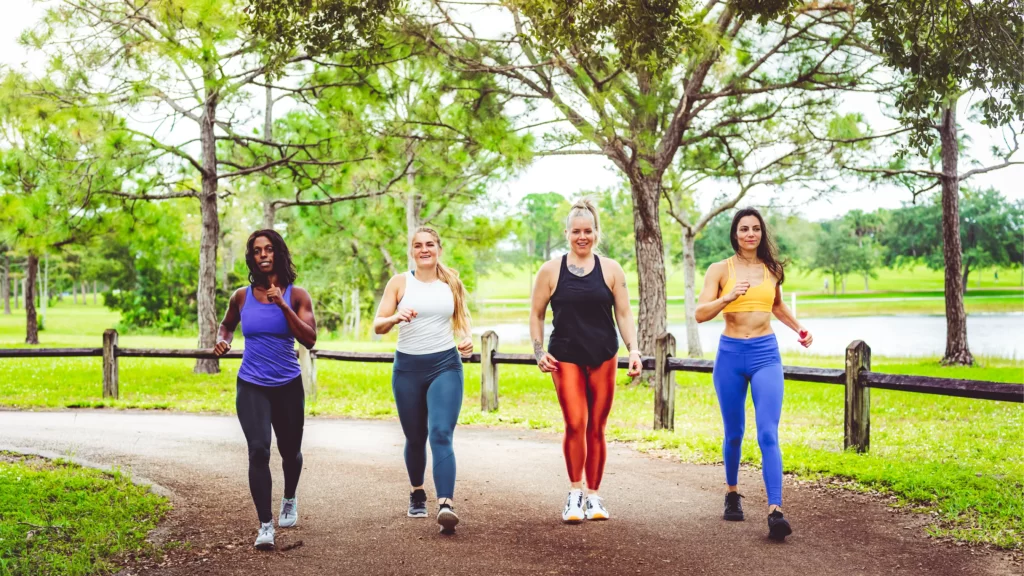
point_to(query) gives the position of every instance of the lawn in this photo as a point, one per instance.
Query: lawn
(57, 518)
(958, 458)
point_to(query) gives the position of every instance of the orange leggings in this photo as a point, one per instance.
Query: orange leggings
(585, 394)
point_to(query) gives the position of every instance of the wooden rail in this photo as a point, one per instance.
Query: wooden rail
(857, 378)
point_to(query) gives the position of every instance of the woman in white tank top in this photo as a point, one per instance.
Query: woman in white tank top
(429, 307)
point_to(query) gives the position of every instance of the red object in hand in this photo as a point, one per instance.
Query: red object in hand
(803, 333)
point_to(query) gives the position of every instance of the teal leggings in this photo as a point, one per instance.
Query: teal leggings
(428, 394)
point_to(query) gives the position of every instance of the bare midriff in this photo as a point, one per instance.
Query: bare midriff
(747, 324)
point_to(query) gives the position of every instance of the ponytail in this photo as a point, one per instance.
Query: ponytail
(460, 319)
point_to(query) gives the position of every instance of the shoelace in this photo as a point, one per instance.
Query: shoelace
(595, 502)
(266, 529)
(568, 502)
(289, 508)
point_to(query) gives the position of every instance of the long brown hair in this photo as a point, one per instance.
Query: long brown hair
(766, 250)
(460, 320)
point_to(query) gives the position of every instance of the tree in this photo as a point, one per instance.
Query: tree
(192, 64)
(543, 224)
(637, 82)
(945, 49)
(836, 252)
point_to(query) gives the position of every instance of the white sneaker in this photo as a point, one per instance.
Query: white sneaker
(289, 512)
(596, 509)
(265, 539)
(573, 512)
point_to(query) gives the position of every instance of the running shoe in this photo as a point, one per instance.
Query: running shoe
(418, 504)
(778, 527)
(265, 538)
(596, 509)
(447, 519)
(289, 513)
(573, 513)
(733, 508)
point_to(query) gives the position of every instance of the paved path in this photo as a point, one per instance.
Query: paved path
(511, 485)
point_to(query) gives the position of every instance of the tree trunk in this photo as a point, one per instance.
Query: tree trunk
(956, 318)
(6, 286)
(867, 288)
(650, 262)
(689, 282)
(844, 285)
(269, 214)
(269, 210)
(31, 322)
(412, 211)
(208, 239)
(967, 273)
(74, 291)
(95, 290)
(21, 283)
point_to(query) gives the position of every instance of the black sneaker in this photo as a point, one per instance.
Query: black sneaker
(418, 504)
(778, 527)
(733, 509)
(447, 519)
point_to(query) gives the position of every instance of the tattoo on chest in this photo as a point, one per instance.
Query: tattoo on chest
(576, 270)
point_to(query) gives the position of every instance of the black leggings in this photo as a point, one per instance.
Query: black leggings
(259, 408)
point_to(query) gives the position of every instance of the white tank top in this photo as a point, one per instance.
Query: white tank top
(431, 330)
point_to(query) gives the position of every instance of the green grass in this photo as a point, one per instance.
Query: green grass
(57, 518)
(514, 283)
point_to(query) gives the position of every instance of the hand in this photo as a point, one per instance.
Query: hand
(403, 315)
(805, 338)
(466, 347)
(221, 348)
(547, 363)
(274, 296)
(739, 290)
(635, 364)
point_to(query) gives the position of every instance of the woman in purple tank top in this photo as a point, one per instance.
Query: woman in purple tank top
(274, 313)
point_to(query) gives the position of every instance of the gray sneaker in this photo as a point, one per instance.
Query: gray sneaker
(289, 513)
(265, 539)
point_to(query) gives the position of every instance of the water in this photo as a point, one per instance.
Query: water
(1000, 335)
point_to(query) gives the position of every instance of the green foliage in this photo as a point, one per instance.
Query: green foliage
(59, 519)
(542, 224)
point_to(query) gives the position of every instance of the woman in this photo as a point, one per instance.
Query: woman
(581, 357)
(274, 314)
(429, 306)
(747, 288)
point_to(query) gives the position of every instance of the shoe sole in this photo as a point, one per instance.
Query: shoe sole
(265, 547)
(573, 519)
(417, 514)
(287, 524)
(779, 532)
(733, 517)
(447, 521)
(598, 517)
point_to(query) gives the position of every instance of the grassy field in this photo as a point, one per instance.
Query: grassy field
(960, 459)
(59, 519)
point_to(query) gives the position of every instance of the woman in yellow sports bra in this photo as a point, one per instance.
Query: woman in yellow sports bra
(746, 289)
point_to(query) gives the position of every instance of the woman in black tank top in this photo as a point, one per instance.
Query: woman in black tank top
(583, 290)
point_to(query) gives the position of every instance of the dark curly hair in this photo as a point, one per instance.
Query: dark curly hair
(283, 266)
(766, 250)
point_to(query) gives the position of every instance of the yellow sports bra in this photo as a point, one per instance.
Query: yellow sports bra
(758, 298)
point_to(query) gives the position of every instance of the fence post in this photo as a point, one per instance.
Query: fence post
(664, 383)
(307, 365)
(488, 372)
(110, 371)
(858, 398)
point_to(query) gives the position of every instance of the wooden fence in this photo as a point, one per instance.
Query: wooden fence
(857, 377)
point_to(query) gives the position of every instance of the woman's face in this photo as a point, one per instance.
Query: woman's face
(748, 232)
(263, 254)
(425, 250)
(581, 235)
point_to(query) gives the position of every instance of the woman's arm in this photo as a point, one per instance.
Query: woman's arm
(538, 309)
(709, 304)
(388, 315)
(785, 315)
(301, 320)
(226, 332)
(624, 317)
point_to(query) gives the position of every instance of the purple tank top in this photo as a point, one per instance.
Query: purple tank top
(268, 358)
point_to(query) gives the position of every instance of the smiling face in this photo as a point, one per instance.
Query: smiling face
(425, 250)
(748, 233)
(263, 254)
(581, 235)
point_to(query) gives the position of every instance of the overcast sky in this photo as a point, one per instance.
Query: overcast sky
(569, 175)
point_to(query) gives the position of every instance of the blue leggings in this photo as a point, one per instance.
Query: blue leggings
(757, 361)
(428, 393)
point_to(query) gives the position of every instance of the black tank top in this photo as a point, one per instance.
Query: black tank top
(584, 329)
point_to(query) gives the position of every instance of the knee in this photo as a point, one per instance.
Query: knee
(734, 438)
(576, 425)
(259, 454)
(767, 439)
(440, 436)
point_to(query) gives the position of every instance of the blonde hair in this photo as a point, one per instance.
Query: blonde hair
(584, 207)
(461, 319)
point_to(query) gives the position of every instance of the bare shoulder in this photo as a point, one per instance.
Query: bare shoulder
(612, 265)
(238, 296)
(718, 269)
(302, 294)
